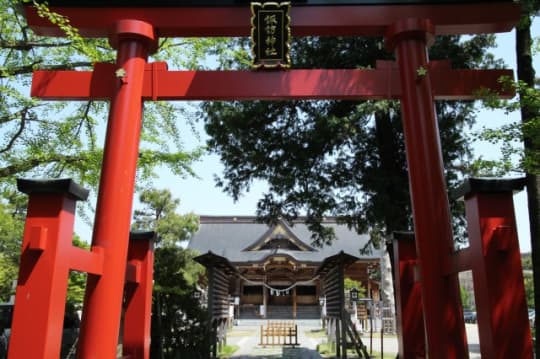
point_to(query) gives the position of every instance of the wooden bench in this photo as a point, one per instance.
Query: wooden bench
(279, 333)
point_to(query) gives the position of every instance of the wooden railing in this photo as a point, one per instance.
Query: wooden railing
(279, 333)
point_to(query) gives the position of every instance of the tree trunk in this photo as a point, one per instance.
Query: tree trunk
(533, 191)
(395, 218)
(526, 74)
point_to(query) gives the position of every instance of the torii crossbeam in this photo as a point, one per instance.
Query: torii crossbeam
(161, 84)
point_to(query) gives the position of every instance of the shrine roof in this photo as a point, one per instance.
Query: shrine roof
(241, 239)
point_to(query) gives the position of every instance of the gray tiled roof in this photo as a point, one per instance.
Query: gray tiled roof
(230, 236)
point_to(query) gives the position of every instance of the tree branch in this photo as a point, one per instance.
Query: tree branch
(27, 69)
(22, 124)
(30, 163)
(29, 45)
(12, 116)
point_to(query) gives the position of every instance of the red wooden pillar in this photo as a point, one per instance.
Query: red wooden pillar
(138, 301)
(496, 266)
(100, 325)
(444, 327)
(410, 320)
(40, 297)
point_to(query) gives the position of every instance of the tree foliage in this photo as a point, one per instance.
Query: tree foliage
(338, 158)
(513, 158)
(349, 284)
(11, 229)
(76, 281)
(519, 141)
(529, 288)
(526, 261)
(179, 322)
(465, 298)
(53, 139)
(158, 213)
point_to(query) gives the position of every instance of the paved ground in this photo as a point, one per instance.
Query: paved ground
(246, 336)
(474, 342)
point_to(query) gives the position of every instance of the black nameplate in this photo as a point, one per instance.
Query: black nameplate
(270, 34)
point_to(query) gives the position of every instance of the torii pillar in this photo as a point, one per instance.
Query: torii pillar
(444, 326)
(134, 40)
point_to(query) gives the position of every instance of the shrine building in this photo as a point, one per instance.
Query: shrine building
(277, 265)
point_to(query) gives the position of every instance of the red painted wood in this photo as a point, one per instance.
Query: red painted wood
(501, 306)
(410, 320)
(312, 20)
(138, 311)
(160, 84)
(459, 261)
(103, 299)
(40, 297)
(444, 326)
(85, 261)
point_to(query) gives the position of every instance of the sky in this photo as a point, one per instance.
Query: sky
(202, 197)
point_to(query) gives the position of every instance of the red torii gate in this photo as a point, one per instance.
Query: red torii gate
(134, 32)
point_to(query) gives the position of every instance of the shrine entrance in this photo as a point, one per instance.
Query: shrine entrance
(277, 265)
(134, 29)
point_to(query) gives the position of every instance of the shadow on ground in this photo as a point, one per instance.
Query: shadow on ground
(287, 353)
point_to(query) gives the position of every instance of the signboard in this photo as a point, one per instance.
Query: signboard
(270, 34)
(218, 3)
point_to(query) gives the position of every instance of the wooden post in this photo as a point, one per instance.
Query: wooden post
(409, 317)
(444, 325)
(138, 311)
(501, 306)
(40, 297)
(294, 302)
(134, 40)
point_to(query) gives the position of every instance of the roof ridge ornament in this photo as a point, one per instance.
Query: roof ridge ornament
(277, 235)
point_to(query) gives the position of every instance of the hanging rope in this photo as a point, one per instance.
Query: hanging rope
(276, 290)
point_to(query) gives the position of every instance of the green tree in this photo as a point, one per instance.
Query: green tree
(349, 284)
(53, 139)
(526, 261)
(339, 158)
(529, 288)
(77, 281)
(465, 298)
(178, 320)
(531, 140)
(158, 212)
(11, 229)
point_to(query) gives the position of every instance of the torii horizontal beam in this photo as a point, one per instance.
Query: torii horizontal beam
(369, 20)
(161, 84)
